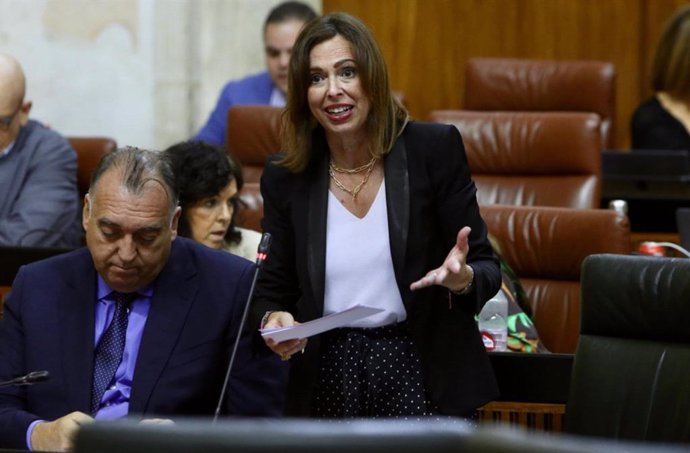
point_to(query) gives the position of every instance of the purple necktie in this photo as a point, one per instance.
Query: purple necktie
(108, 353)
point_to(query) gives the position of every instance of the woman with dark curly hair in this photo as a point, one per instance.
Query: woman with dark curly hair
(209, 182)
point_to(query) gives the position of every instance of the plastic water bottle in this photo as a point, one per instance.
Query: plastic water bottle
(492, 323)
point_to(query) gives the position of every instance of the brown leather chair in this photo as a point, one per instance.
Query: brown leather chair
(511, 84)
(250, 215)
(253, 134)
(530, 158)
(89, 150)
(546, 247)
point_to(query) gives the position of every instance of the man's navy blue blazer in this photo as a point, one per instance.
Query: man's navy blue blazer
(195, 312)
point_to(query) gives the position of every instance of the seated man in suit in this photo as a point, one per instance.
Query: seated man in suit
(283, 24)
(39, 201)
(139, 323)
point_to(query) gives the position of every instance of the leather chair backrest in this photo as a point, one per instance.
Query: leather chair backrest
(543, 85)
(250, 215)
(546, 248)
(89, 150)
(253, 134)
(529, 158)
(631, 374)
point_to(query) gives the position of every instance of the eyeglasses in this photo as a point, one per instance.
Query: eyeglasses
(6, 121)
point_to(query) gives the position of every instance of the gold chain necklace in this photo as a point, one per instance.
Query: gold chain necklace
(352, 171)
(369, 167)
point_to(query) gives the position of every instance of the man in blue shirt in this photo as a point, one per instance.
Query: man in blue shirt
(281, 28)
(184, 302)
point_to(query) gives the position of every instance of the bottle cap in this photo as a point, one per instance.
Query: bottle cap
(620, 206)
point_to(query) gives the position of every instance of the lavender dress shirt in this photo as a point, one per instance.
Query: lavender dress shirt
(115, 402)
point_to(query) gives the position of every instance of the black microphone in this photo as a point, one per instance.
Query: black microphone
(27, 379)
(261, 255)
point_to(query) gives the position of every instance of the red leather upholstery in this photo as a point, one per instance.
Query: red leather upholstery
(529, 158)
(89, 150)
(253, 134)
(253, 211)
(545, 247)
(512, 84)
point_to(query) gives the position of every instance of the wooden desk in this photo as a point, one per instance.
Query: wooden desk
(534, 390)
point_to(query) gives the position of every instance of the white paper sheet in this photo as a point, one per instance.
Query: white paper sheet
(313, 327)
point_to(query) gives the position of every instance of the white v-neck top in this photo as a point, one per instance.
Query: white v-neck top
(359, 267)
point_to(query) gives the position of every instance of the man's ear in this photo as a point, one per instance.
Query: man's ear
(175, 221)
(24, 112)
(86, 212)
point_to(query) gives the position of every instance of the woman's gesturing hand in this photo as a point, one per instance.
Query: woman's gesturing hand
(455, 274)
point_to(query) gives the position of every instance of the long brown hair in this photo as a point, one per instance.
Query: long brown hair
(671, 68)
(387, 116)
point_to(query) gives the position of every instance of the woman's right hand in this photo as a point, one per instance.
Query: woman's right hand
(285, 349)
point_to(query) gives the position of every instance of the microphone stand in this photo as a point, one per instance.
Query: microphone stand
(261, 255)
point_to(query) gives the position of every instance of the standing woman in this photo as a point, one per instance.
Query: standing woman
(362, 205)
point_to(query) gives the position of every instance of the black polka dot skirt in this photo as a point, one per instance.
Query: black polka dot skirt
(372, 372)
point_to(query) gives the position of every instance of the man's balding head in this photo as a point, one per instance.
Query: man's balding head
(12, 82)
(14, 111)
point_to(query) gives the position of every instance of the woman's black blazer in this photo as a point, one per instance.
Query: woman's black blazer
(430, 196)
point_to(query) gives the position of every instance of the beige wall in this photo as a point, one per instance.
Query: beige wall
(145, 72)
